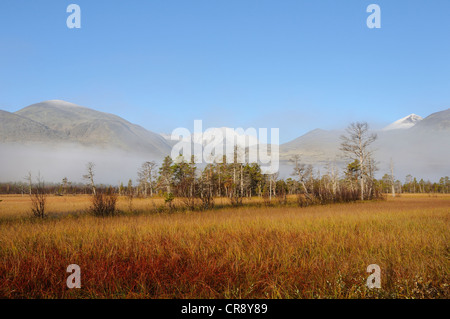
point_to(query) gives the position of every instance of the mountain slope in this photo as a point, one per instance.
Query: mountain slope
(437, 122)
(93, 128)
(16, 128)
(315, 147)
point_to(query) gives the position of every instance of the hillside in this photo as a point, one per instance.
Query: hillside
(18, 129)
(88, 127)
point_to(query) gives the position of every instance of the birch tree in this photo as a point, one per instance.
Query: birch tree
(355, 146)
(392, 178)
(302, 171)
(146, 176)
(90, 176)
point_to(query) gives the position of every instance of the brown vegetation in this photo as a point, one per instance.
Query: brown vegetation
(246, 252)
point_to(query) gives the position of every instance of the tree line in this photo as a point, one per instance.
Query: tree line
(197, 188)
(411, 185)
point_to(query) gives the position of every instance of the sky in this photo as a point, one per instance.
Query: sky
(288, 64)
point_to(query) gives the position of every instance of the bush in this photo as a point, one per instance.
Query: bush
(38, 200)
(104, 204)
(168, 199)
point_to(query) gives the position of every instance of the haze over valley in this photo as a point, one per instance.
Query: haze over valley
(58, 138)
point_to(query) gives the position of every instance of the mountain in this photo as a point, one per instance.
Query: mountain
(437, 122)
(214, 135)
(57, 138)
(68, 122)
(404, 123)
(317, 146)
(417, 146)
(16, 128)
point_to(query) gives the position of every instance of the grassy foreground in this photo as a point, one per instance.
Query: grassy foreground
(256, 252)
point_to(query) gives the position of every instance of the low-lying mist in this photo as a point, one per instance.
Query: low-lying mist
(422, 156)
(53, 163)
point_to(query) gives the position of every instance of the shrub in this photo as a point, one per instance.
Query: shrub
(104, 204)
(168, 199)
(38, 199)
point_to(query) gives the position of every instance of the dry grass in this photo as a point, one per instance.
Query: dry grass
(314, 252)
(18, 206)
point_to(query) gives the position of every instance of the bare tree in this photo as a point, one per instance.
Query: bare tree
(302, 171)
(272, 184)
(29, 179)
(146, 175)
(355, 146)
(90, 176)
(334, 177)
(65, 183)
(205, 187)
(392, 178)
(38, 198)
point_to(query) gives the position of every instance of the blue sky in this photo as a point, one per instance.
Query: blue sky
(296, 65)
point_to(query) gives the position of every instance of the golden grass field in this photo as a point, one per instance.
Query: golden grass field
(246, 252)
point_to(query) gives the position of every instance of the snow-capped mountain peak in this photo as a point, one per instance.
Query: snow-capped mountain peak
(404, 123)
(225, 135)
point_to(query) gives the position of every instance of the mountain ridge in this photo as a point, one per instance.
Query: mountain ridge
(78, 124)
(61, 129)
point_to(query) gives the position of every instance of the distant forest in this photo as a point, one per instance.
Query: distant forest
(225, 180)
